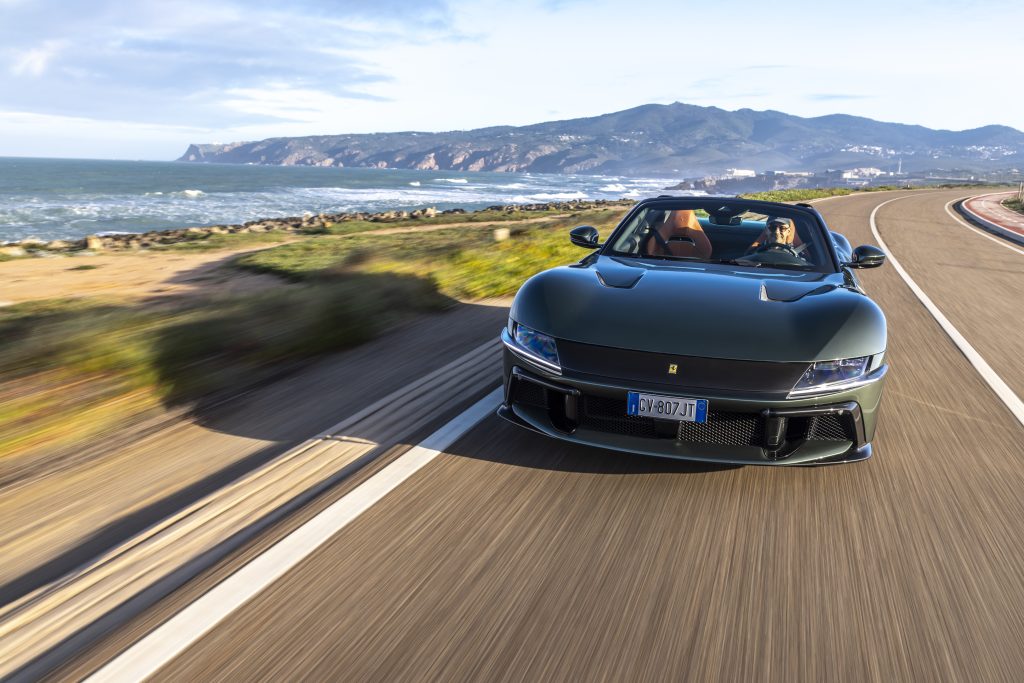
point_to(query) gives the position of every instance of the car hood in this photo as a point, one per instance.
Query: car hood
(707, 310)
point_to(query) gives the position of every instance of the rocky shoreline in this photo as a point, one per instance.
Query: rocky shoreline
(308, 223)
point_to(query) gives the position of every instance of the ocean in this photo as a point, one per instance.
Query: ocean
(70, 198)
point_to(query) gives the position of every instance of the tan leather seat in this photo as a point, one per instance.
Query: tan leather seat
(681, 224)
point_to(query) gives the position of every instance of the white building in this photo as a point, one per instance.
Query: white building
(857, 173)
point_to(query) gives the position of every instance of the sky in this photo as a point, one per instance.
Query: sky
(142, 80)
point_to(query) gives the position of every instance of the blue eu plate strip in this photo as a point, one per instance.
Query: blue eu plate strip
(702, 410)
(633, 403)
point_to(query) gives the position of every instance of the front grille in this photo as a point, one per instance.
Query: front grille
(722, 428)
(529, 393)
(830, 427)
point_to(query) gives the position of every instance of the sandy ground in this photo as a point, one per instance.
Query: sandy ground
(155, 275)
(145, 275)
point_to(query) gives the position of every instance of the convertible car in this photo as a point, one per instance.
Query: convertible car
(704, 328)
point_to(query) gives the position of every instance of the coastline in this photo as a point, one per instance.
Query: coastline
(308, 223)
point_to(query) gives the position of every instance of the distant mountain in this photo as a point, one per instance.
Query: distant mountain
(650, 140)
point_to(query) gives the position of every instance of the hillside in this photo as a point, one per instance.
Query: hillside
(653, 139)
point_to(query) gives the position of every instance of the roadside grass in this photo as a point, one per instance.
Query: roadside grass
(241, 240)
(68, 361)
(465, 264)
(797, 195)
(238, 240)
(484, 216)
(1014, 205)
(803, 195)
(72, 368)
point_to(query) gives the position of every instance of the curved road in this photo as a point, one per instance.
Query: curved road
(512, 557)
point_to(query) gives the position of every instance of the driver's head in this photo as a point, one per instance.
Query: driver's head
(780, 231)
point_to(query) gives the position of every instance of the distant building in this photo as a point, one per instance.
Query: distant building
(739, 173)
(790, 174)
(862, 173)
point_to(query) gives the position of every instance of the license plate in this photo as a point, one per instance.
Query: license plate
(667, 407)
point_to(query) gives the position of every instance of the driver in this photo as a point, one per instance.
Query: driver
(777, 231)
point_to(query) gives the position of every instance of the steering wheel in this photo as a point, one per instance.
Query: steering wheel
(779, 247)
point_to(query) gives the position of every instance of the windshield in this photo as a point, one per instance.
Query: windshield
(717, 232)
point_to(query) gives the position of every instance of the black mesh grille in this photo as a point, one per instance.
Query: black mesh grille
(600, 406)
(725, 429)
(529, 393)
(722, 428)
(830, 427)
(609, 415)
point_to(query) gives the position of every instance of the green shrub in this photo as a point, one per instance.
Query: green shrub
(465, 263)
(799, 195)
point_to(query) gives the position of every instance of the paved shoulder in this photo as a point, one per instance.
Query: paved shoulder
(976, 282)
(989, 208)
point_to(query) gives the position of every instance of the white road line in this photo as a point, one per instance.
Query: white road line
(995, 382)
(172, 637)
(961, 221)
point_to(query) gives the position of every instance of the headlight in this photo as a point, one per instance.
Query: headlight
(534, 345)
(836, 375)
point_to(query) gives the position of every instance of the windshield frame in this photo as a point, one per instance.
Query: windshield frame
(666, 202)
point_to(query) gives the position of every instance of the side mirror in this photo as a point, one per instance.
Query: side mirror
(584, 236)
(866, 256)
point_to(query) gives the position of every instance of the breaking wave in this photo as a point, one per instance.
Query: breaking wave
(142, 196)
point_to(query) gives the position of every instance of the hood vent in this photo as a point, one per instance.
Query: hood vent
(788, 292)
(619, 276)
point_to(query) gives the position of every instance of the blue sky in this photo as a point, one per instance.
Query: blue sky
(141, 80)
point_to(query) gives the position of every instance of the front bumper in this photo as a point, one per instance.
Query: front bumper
(752, 429)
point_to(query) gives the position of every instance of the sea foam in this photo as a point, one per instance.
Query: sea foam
(548, 196)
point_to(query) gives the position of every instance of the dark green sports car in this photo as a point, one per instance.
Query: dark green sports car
(704, 328)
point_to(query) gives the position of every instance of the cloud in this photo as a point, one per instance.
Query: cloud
(34, 61)
(281, 101)
(212, 63)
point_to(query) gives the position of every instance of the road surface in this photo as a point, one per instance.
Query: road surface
(513, 557)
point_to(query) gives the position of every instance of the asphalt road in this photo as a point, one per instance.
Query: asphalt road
(512, 557)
